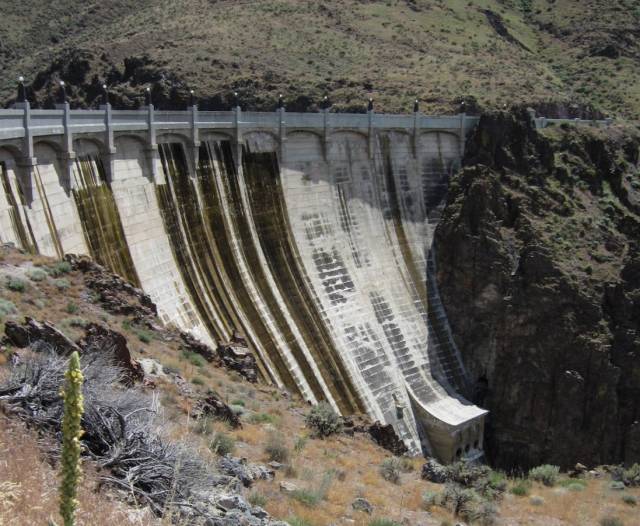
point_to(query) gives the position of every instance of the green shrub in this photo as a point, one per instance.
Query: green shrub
(203, 426)
(430, 499)
(617, 485)
(631, 476)
(36, 274)
(223, 444)
(498, 481)
(71, 308)
(196, 380)
(575, 486)
(276, 448)
(299, 444)
(611, 521)
(194, 358)
(257, 499)
(546, 473)
(458, 499)
(630, 500)
(59, 268)
(297, 521)
(466, 474)
(261, 418)
(7, 308)
(144, 335)
(323, 420)
(406, 466)
(238, 401)
(383, 522)
(520, 489)
(307, 497)
(61, 283)
(390, 469)
(15, 284)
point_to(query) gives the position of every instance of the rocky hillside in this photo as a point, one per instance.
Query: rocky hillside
(162, 411)
(563, 56)
(539, 268)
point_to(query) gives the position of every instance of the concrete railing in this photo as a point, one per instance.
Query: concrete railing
(51, 122)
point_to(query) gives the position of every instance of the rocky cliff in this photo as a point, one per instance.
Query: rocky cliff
(538, 266)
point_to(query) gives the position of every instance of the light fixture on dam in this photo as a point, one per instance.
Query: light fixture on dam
(62, 96)
(105, 95)
(22, 92)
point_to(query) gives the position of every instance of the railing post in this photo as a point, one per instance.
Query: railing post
(416, 129)
(282, 133)
(68, 157)
(463, 135)
(108, 157)
(195, 136)
(27, 143)
(370, 114)
(152, 146)
(326, 134)
(237, 113)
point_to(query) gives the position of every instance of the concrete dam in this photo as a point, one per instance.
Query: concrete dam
(308, 233)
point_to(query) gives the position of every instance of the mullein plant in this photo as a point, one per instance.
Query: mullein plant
(71, 434)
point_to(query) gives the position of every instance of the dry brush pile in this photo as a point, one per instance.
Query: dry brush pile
(121, 435)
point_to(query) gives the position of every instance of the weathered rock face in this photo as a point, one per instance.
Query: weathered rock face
(538, 267)
(115, 294)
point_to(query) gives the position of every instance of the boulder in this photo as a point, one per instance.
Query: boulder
(363, 505)
(102, 338)
(433, 471)
(191, 344)
(237, 357)
(115, 294)
(213, 406)
(288, 487)
(386, 436)
(243, 471)
(32, 331)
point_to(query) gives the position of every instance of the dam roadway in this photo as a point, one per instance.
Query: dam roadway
(309, 233)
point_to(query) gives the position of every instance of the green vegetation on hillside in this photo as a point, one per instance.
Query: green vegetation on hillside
(549, 53)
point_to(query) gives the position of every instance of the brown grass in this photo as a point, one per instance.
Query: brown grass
(29, 487)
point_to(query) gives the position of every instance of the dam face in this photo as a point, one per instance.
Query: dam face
(310, 234)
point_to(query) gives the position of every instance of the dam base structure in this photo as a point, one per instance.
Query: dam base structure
(310, 234)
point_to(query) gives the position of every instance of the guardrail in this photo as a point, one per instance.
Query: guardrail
(14, 123)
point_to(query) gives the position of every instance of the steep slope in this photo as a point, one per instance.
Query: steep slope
(489, 52)
(538, 268)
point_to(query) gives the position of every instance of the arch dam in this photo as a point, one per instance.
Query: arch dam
(309, 233)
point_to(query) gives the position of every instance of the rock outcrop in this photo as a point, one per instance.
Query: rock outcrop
(538, 267)
(115, 294)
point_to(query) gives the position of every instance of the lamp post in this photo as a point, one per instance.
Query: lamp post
(62, 97)
(148, 96)
(105, 95)
(22, 92)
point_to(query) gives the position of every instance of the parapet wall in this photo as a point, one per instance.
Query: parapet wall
(308, 233)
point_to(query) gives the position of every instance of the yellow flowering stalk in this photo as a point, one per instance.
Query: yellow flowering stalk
(71, 434)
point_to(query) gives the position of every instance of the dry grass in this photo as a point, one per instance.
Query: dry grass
(29, 487)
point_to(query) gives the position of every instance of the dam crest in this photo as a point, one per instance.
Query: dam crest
(308, 233)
